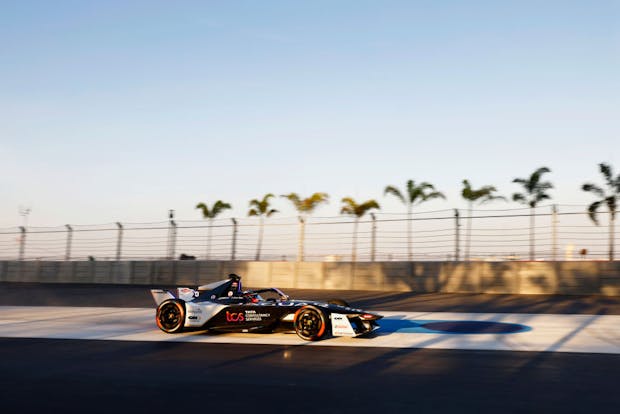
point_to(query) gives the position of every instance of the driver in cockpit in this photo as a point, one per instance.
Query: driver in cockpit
(234, 293)
(235, 286)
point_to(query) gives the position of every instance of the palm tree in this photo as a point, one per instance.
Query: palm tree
(211, 213)
(305, 207)
(610, 199)
(351, 208)
(534, 192)
(261, 209)
(416, 194)
(483, 195)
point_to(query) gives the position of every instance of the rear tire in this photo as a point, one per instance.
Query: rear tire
(310, 323)
(170, 316)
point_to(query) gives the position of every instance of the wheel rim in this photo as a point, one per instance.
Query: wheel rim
(309, 324)
(170, 316)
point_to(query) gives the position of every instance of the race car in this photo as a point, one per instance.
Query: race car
(224, 307)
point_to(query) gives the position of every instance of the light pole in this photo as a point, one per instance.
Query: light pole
(119, 241)
(24, 212)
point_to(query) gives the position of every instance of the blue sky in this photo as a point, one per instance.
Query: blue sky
(122, 110)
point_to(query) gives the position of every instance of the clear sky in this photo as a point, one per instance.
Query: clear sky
(118, 111)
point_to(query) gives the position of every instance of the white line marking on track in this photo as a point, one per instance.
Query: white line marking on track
(527, 332)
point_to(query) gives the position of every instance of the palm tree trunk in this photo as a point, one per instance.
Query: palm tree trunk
(209, 238)
(612, 230)
(468, 243)
(354, 248)
(409, 225)
(373, 238)
(260, 240)
(532, 254)
(554, 232)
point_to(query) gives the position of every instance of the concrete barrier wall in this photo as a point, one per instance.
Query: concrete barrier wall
(572, 278)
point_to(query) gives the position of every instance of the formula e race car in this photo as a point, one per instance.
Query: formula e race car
(224, 307)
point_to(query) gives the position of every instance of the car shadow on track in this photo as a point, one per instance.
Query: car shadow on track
(397, 324)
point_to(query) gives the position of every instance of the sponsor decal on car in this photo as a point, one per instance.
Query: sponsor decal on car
(187, 294)
(253, 316)
(341, 325)
(247, 316)
(234, 317)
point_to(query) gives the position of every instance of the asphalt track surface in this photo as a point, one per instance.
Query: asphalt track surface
(39, 375)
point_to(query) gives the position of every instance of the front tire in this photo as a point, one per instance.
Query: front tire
(310, 323)
(170, 316)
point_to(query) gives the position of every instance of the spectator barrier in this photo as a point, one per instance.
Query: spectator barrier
(511, 277)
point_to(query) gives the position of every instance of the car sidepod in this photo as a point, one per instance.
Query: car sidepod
(247, 318)
(200, 314)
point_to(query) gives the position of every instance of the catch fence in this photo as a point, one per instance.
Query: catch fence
(560, 232)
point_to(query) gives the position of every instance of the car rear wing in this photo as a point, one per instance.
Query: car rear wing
(160, 295)
(186, 294)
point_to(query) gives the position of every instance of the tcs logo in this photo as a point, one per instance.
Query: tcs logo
(234, 317)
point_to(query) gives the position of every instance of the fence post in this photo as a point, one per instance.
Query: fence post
(119, 241)
(69, 240)
(22, 242)
(173, 238)
(373, 240)
(554, 232)
(457, 235)
(302, 236)
(234, 240)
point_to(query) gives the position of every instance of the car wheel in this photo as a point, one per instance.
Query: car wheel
(171, 316)
(310, 323)
(339, 302)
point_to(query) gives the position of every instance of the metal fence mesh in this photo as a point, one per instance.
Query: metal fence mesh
(568, 234)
